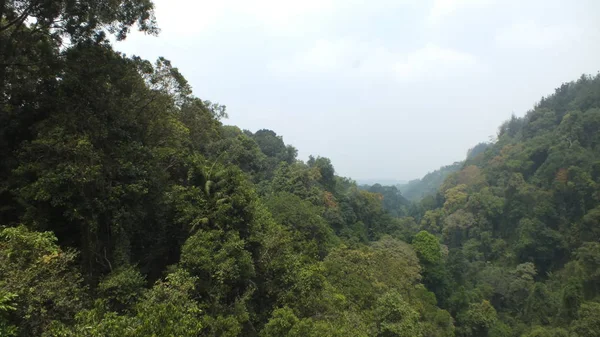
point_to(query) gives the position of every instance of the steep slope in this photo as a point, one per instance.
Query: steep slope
(521, 223)
(417, 189)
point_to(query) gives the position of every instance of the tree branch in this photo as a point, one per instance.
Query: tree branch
(20, 19)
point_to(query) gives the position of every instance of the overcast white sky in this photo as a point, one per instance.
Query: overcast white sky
(386, 89)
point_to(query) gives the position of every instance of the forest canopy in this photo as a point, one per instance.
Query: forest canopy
(128, 208)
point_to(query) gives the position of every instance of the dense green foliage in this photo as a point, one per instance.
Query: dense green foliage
(393, 201)
(520, 221)
(127, 208)
(417, 189)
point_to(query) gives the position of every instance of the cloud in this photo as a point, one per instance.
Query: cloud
(341, 55)
(323, 56)
(445, 8)
(432, 61)
(348, 57)
(530, 34)
(193, 17)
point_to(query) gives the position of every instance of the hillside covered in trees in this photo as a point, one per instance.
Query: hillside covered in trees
(128, 208)
(416, 190)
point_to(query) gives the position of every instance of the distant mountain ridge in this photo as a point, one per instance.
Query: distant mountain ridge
(417, 189)
(384, 182)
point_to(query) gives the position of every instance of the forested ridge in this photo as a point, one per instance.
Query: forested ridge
(416, 190)
(128, 208)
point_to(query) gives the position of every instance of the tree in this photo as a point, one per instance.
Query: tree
(478, 319)
(39, 282)
(304, 221)
(395, 317)
(31, 35)
(428, 248)
(165, 310)
(326, 172)
(588, 322)
(6, 328)
(540, 331)
(539, 244)
(393, 201)
(588, 258)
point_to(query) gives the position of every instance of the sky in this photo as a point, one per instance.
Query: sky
(385, 89)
